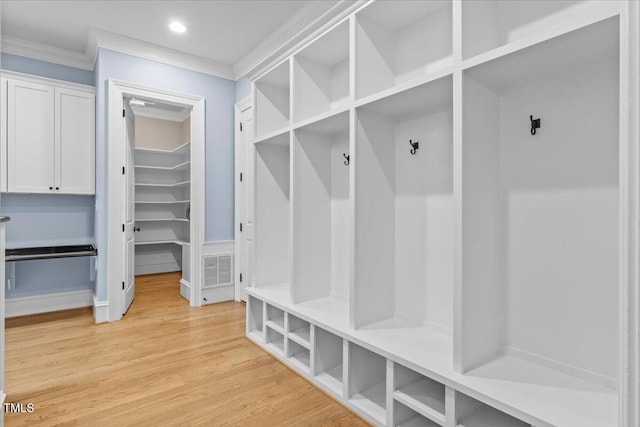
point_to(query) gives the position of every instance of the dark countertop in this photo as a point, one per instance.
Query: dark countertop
(4, 219)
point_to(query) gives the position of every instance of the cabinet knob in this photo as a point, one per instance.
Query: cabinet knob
(50, 188)
(57, 188)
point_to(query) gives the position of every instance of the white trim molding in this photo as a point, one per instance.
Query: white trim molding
(45, 303)
(119, 43)
(216, 294)
(117, 90)
(42, 52)
(307, 23)
(185, 289)
(100, 310)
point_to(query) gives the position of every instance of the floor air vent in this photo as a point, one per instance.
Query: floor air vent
(217, 270)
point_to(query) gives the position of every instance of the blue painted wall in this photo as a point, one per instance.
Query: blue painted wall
(219, 151)
(243, 88)
(48, 220)
(21, 64)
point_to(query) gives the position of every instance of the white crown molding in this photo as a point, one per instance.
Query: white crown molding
(106, 40)
(308, 23)
(46, 53)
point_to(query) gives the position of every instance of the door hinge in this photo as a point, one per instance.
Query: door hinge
(240, 126)
(123, 112)
(240, 176)
(123, 286)
(240, 277)
(123, 170)
(123, 228)
(241, 227)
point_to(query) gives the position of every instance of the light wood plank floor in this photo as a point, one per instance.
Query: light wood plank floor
(164, 364)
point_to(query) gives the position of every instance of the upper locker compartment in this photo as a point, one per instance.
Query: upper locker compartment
(508, 24)
(321, 75)
(399, 41)
(272, 105)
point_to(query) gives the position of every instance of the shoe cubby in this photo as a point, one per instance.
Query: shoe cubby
(321, 75)
(271, 98)
(400, 41)
(367, 382)
(490, 24)
(540, 214)
(275, 319)
(274, 340)
(404, 209)
(299, 356)
(329, 351)
(321, 210)
(422, 394)
(404, 416)
(472, 413)
(299, 331)
(255, 318)
(272, 212)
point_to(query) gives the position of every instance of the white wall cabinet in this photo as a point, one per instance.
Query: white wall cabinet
(478, 277)
(50, 137)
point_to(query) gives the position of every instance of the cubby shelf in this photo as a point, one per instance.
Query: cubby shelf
(406, 216)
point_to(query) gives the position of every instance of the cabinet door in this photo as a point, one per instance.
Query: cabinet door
(30, 137)
(75, 142)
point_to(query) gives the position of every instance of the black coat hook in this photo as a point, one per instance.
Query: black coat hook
(535, 124)
(347, 158)
(414, 146)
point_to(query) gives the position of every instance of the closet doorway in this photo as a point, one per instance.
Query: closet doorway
(156, 196)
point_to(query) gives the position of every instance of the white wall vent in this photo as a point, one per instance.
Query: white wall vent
(217, 270)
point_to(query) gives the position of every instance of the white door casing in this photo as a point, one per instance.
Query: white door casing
(129, 284)
(244, 222)
(115, 196)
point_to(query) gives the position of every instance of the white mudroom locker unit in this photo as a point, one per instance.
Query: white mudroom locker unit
(442, 212)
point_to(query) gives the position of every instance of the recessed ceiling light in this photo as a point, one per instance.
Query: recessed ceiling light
(177, 27)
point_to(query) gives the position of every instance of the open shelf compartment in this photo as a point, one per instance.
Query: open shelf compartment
(367, 382)
(404, 209)
(299, 331)
(255, 318)
(472, 413)
(329, 364)
(398, 41)
(299, 356)
(274, 340)
(321, 75)
(540, 219)
(275, 318)
(272, 212)
(272, 104)
(404, 416)
(421, 394)
(490, 24)
(321, 210)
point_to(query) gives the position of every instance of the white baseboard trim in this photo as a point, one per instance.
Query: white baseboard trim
(100, 310)
(157, 268)
(23, 306)
(217, 294)
(185, 289)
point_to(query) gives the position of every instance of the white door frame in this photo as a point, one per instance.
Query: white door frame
(240, 165)
(116, 187)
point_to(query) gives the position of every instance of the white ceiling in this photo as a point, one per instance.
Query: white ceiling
(222, 31)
